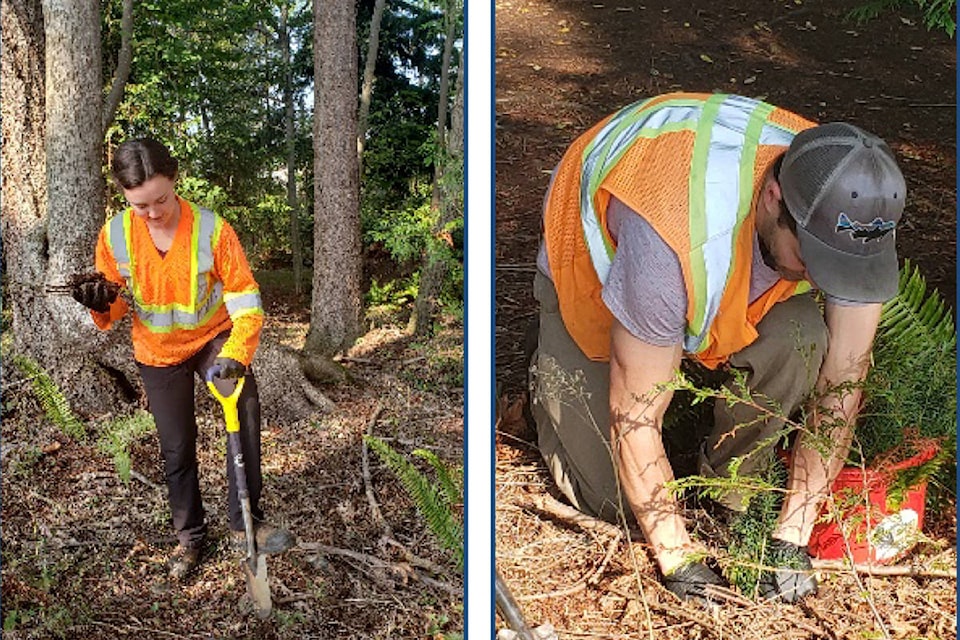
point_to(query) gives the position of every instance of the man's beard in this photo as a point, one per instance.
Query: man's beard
(766, 254)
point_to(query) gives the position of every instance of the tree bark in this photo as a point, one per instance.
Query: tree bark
(124, 64)
(366, 91)
(336, 305)
(53, 195)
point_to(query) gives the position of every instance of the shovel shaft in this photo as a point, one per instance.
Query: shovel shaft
(254, 565)
(243, 495)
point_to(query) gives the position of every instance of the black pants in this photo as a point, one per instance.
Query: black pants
(171, 401)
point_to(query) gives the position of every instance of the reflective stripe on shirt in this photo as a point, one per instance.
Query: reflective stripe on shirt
(206, 293)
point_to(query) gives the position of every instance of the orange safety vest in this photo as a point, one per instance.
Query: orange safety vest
(692, 166)
(200, 288)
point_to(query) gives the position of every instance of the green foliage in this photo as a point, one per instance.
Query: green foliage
(54, 403)
(120, 435)
(385, 302)
(750, 532)
(403, 232)
(937, 14)
(912, 383)
(435, 501)
(202, 192)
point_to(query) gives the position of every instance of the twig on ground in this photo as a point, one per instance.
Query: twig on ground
(415, 560)
(138, 631)
(141, 478)
(676, 610)
(896, 570)
(550, 506)
(375, 513)
(611, 548)
(377, 562)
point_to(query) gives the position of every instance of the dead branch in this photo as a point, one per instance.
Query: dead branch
(374, 561)
(675, 610)
(611, 548)
(415, 560)
(550, 506)
(375, 513)
(896, 570)
(136, 475)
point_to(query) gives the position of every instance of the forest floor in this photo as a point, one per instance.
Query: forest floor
(562, 65)
(84, 554)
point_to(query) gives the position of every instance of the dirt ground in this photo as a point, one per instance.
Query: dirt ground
(561, 65)
(84, 554)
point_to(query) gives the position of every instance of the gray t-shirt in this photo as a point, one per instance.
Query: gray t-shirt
(644, 289)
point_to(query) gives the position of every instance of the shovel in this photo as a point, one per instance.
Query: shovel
(254, 565)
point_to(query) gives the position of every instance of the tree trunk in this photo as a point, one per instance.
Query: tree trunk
(335, 307)
(450, 22)
(366, 92)
(124, 63)
(289, 117)
(53, 188)
(449, 200)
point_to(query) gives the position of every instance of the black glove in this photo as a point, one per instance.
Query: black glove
(226, 368)
(95, 294)
(690, 581)
(790, 577)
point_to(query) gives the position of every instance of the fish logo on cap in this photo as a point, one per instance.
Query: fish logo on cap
(875, 230)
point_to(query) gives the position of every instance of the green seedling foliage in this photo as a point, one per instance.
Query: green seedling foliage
(433, 503)
(750, 532)
(120, 435)
(54, 403)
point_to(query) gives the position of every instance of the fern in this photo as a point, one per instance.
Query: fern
(120, 435)
(937, 14)
(452, 487)
(912, 383)
(435, 504)
(54, 403)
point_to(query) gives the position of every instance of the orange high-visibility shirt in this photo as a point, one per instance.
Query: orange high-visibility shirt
(666, 171)
(164, 283)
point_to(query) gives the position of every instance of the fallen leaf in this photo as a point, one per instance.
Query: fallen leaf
(51, 448)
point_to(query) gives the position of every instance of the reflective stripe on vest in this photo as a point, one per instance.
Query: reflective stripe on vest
(728, 132)
(205, 300)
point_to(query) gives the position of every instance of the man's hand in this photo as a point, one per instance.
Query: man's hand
(95, 294)
(790, 577)
(226, 368)
(691, 582)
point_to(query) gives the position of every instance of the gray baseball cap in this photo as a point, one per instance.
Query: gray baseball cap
(843, 187)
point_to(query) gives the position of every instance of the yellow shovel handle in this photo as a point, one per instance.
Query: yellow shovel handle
(229, 404)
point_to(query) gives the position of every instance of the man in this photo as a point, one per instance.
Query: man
(694, 225)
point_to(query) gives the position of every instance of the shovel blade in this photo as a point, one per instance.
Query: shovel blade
(257, 586)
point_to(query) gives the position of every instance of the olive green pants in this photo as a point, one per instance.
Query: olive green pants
(570, 400)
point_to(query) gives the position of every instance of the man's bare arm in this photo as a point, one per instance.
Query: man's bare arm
(851, 332)
(636, 413)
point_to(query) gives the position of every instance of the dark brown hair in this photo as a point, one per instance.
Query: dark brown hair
(136, 161)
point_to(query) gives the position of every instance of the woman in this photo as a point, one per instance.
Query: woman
(196, 306)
